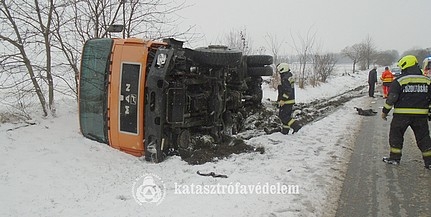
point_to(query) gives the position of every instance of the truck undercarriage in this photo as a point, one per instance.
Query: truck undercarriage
(189, 95)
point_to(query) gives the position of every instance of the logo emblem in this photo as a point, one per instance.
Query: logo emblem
(149, 188)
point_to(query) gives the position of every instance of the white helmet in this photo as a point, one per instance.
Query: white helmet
(283, 67)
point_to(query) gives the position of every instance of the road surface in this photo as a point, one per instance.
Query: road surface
(372, 188)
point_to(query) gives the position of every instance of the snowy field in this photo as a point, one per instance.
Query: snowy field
(50, 169)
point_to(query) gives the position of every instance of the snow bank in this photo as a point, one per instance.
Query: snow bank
(49, 169)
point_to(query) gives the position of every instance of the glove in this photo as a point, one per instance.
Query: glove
(281, 103)
(384, 116)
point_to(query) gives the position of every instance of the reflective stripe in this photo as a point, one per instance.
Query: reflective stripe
(414, 111)
(387, 106)
(291, 122)
(417, 79)
(285, 96)
(387, 80)
(292, 101)
(396, 150)
(426, 154)
(286, 126)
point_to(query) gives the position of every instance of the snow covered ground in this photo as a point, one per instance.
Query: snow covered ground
(50, 169)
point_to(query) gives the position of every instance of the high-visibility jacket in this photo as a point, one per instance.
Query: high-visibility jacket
(286, 90)
(387, 77)
(409, 94)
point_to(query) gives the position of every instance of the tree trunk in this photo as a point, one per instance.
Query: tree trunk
(354, 66)
(45, 29)
(36, 85)
(49, 76)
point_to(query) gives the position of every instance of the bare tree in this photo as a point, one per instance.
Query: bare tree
(386, 58)
(274, 46)
(353, 53)
(47, 37)
(304, 51)
(68, 41)
(21, 34)
(368, 52)
(323, 65)
(149, 19)
(240, 40)
(44, 19)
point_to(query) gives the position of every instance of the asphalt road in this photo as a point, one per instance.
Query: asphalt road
(372, 188)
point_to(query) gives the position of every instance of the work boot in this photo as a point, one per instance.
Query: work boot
(391, 161)
(428, 167)
(285, 130)
(296, 127)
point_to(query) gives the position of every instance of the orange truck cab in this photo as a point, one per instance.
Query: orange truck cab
(111, 92)
(151, 98)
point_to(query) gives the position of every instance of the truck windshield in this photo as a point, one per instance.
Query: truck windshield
(93, 88)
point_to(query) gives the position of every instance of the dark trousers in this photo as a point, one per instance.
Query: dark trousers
(419, 125)
(371, 88)
(285, 115)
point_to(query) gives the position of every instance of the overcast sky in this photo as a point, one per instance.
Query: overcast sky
(392, 24)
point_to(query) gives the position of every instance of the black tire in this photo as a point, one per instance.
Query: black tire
(255, 91)
(257, 99)
(259, 60)
(217, 55)
(183, 139)
(260, 71)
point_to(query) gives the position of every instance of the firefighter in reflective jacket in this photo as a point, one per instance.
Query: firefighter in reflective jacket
(410, 96)
(286, 99)
(387, 78)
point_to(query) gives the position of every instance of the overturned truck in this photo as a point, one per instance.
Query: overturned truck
(153, 98)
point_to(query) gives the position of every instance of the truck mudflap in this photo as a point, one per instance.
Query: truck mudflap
(155, 105)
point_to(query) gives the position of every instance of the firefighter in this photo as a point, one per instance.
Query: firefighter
(410, 96)
(286, 99)
(387, 78)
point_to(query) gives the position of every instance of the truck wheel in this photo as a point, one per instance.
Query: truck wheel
(257, 98)
(217, 55)
(255, 90)
(259, 60)
(260, 71)
(183, 139)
